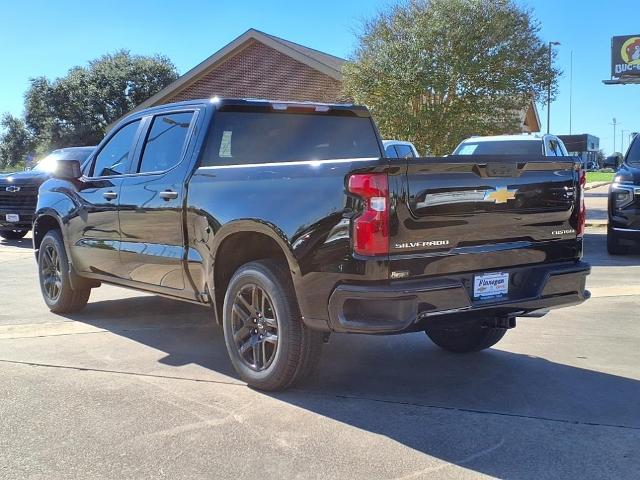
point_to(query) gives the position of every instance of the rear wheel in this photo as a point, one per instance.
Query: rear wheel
(269, 346)
(467, 337)
(613, 244)
(13, 234)
(55, 283)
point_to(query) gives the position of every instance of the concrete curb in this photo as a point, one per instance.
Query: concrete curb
(591, 185)
(597, 223)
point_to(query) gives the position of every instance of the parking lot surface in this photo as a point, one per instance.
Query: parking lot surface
(137, 386)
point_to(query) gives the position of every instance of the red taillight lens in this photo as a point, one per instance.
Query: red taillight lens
(371, 228)
(582, 213)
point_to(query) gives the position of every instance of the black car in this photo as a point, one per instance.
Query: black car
(624, 204)
(19, 191)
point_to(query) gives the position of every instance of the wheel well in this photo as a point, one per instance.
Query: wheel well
(43, 225)
(235, 251)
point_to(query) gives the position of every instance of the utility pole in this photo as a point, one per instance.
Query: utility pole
(551, 44)
(614, 134)
(570, 93)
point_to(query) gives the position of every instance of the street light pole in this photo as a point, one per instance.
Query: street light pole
(551, 44)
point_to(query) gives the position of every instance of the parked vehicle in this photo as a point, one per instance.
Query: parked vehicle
(613, 161)
(623, 229)
(546, 145)
(399, 149)
(19, 191)
(288, 220)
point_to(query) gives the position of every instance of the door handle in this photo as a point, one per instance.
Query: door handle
(169, 195)
(110, 195)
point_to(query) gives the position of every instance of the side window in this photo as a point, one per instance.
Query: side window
(552, 146)
(390, 152)
(404, 151)
(165, 141)
(115, 156)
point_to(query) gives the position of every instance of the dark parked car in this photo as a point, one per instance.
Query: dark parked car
(624, 204)
(289, 221)
(613, 161)
(19, 191)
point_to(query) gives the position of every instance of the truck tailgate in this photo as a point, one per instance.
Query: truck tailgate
(460, 213)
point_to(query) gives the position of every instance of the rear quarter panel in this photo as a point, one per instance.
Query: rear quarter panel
(303, 206)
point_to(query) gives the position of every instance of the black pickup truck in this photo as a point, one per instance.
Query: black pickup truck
(19, 191)
(623, 232)
(288, 221)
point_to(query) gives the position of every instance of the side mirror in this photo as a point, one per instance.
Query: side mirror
(67, 170)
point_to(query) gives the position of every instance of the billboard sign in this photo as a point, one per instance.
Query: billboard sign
(625, 56)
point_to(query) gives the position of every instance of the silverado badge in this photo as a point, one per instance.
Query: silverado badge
(500, 195)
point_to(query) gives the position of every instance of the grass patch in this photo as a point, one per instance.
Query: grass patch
(600, 177)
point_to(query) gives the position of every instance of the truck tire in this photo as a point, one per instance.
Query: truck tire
(13, 234)
(55, 283)
(467, 338)
(269, 346)
(613, 244)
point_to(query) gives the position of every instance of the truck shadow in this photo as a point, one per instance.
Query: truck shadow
(485, 412)
(22, 243)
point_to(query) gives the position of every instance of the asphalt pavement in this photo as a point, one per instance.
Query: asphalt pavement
(137, 386)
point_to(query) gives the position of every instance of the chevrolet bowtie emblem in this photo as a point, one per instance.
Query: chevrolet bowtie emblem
(500, 195)
(12, 189)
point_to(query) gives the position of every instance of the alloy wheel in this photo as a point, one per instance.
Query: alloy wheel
(51, 273)
(254, 327)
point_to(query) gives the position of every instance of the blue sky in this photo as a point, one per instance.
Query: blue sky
(47, 38)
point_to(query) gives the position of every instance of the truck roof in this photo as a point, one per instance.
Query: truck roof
(226, 104)
(504, 138)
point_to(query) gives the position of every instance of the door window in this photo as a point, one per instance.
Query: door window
(165, 142)
(404, 151)
(115, 157)
(390, 152)
(553, 150)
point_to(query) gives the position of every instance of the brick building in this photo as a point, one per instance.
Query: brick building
(258, 65)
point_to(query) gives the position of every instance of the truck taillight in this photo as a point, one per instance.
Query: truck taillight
(582, 213)
(371, 228)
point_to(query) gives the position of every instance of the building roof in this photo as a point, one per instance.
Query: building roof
(330, 65)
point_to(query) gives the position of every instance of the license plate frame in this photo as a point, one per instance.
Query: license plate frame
(12, 217)
(490, 285)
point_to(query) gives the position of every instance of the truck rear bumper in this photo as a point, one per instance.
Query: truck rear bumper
(402, 306)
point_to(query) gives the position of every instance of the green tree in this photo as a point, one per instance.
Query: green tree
(77, 108)
(16, 141)
(437, 71)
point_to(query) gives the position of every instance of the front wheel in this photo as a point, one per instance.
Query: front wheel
(55, 283)
(13, 234)
(465, 338)
(269, 346)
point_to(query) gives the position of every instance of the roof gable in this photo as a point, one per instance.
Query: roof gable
(328, 64)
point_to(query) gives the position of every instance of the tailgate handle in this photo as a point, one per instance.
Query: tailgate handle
(501, 170)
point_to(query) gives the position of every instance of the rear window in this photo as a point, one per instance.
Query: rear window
(254, 137)
(515, 147)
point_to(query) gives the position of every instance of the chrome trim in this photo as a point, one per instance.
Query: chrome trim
(630, 230)
(311, 163)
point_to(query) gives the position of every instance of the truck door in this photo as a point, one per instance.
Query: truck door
(151, 202)
(94, 231)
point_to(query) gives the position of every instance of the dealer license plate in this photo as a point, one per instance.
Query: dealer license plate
(12, 217)
(490, 285)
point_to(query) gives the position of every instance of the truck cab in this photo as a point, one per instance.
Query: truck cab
(524, 144)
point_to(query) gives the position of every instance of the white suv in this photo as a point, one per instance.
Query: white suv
(545, 145)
